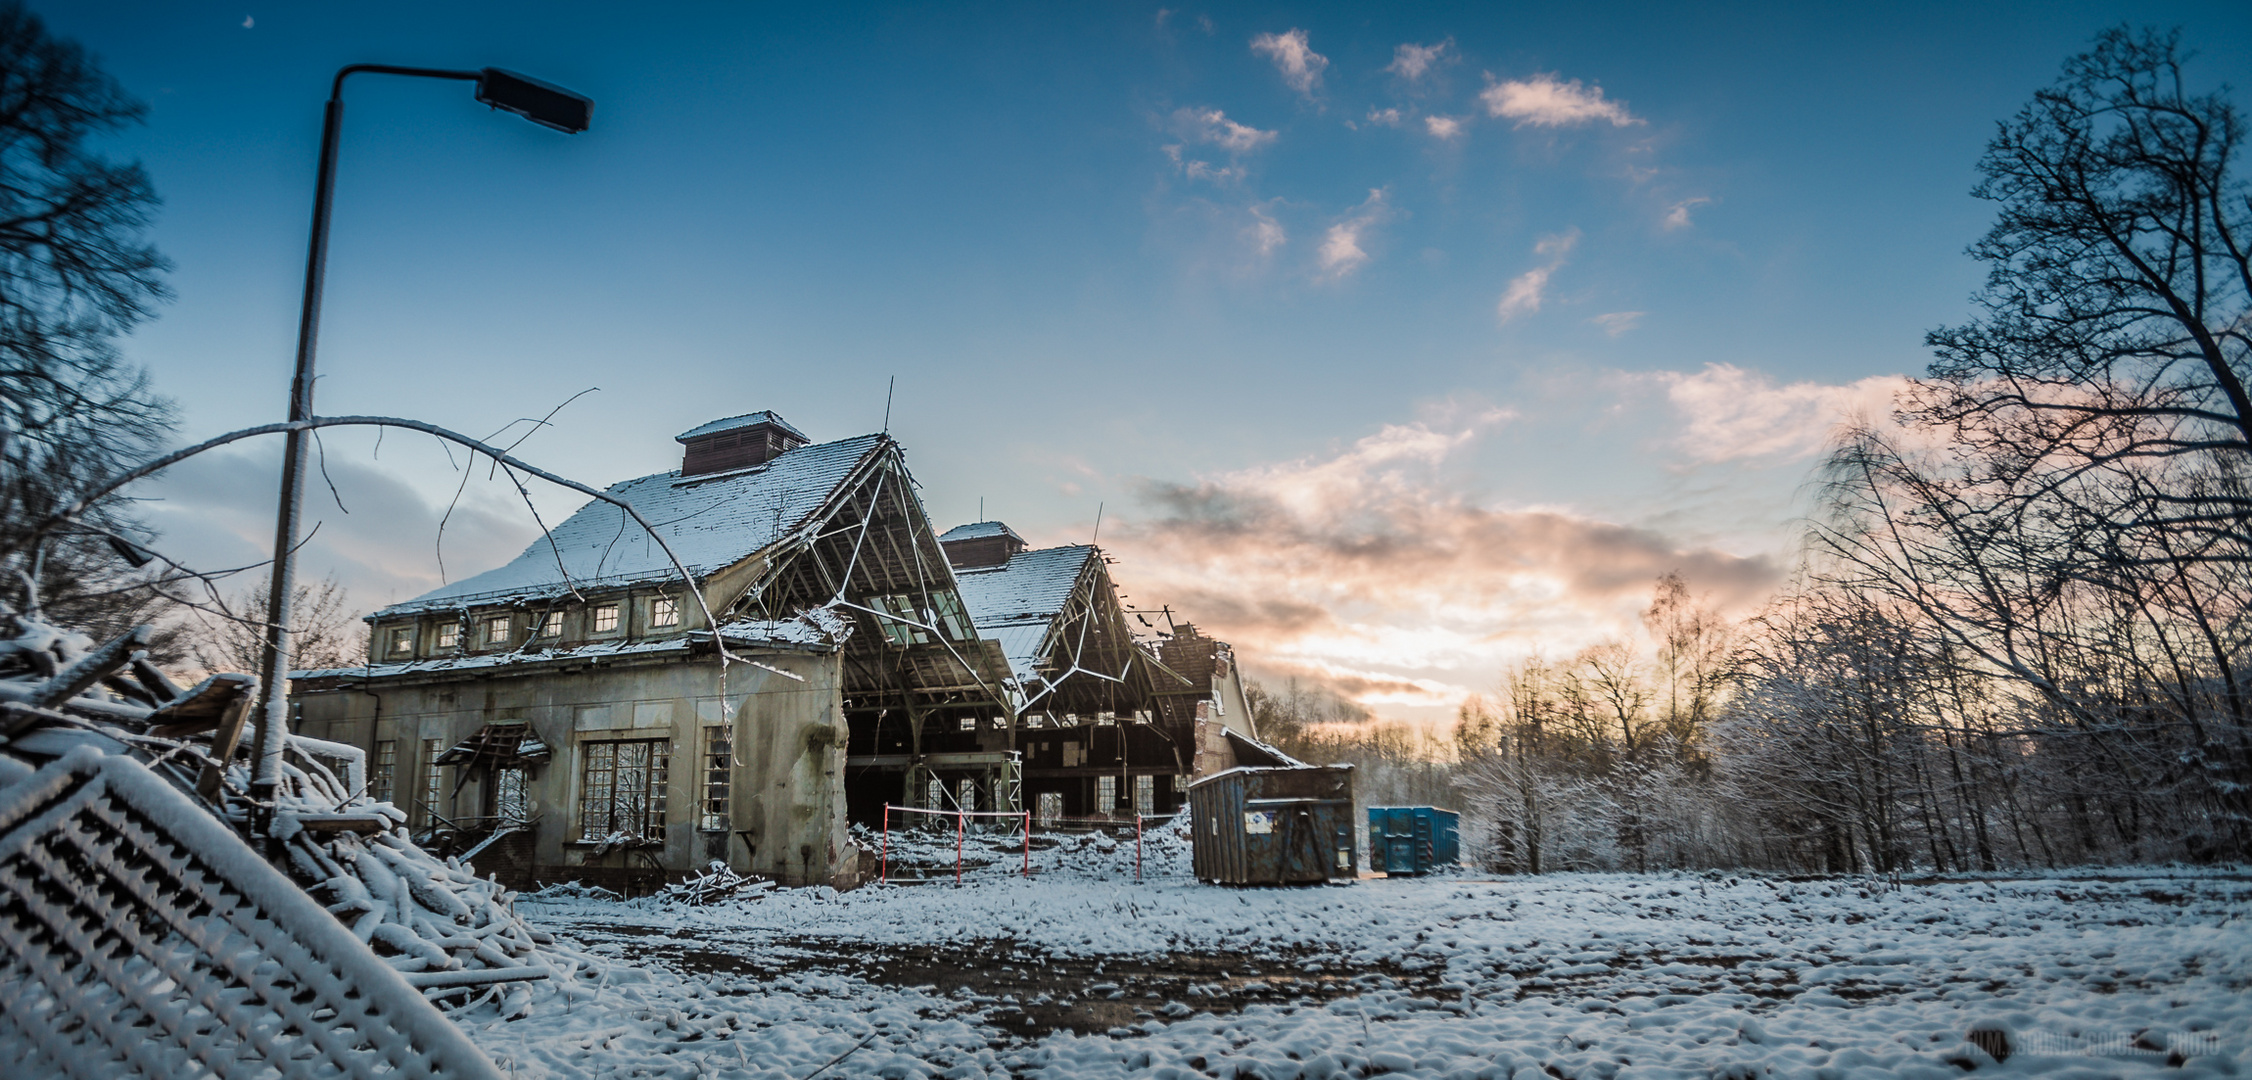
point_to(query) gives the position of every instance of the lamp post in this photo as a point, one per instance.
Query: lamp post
(542, 103)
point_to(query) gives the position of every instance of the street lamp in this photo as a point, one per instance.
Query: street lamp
(540, 102)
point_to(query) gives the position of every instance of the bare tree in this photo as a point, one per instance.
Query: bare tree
(74, 274)
(327, 634)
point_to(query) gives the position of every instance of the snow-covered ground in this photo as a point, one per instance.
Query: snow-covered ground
(1082, 972)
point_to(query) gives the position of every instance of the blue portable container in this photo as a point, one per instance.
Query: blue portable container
(1413, 839)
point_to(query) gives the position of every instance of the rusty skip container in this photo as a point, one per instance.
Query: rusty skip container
(1258, 825)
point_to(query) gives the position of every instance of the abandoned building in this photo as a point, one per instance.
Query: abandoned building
(1107, 725)
(578, 714)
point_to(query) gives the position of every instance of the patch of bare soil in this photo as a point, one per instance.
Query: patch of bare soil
(1029, 995)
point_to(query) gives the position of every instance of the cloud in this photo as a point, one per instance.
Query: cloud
(1341, 252)
(1384, 117)
(1264, 233)
(1526, 290)
(1546, 101)
(1211, 126)
(1368, 570)
(1300, 65)
(1677, 216)
(1412, 62)
(1734, 414)
(1443, 127)
(1615, 323)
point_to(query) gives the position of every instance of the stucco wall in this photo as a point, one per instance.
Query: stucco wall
(787, 813)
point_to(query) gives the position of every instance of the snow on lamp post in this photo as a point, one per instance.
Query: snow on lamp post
(542, 103)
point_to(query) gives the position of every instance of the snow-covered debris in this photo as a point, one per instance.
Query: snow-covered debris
(714, 884)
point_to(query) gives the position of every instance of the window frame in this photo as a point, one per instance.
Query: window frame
(714, 793)
(595, 613)
(664, 613)
(497, 629)
(399, 641)
(601, 757)
(448, 635)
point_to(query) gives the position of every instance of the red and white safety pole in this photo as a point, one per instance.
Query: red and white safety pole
(885, 876)
(1028, 843)
(1137, 847)
(959, 818)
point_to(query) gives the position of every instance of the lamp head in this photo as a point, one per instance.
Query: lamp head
(542, 103)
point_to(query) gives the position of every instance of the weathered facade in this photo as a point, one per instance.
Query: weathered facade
(638, 748)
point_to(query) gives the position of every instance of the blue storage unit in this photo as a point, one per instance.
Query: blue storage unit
(1413, 839)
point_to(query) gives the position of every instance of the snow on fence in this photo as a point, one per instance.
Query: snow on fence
(142, 937)
(1027, 825)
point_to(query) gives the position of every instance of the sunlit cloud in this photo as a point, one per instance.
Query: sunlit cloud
(1443, 127)
(1371, 570)
(1265, 234)
(1212, 127)
(1384, 117)
(1547, 101)
(1526, 290)
(1730, 413)
(1616, 323)
(1677, 215)
(1412, 62)
(1341, 252)
(1300, 65)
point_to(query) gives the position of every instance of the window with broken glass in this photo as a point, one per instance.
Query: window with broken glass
(719, 759)
(551, 626)
(1051, 807)
(935, 796)
(1106, 794)
(1145, 794)
(512, 800)
(966, 794)
(433, 781)
(622, 789)
(383, 770)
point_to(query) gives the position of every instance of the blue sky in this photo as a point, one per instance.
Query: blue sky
(1392, 343)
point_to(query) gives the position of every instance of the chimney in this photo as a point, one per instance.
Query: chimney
(737, 442)
(981, 544)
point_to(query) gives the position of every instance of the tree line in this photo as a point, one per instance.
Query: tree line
(2017, 634)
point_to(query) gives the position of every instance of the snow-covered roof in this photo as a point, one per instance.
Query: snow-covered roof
(1015, 602)
(712, 521)
(743, 421)
(979, 530)
(820, 630)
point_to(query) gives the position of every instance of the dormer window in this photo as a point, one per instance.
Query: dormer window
(402, 641)
(605, 618)
(551, 626)
(664, 611)
(449, 635)
(496, 630)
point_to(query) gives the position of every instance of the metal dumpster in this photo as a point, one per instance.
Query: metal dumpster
(1413, 839)
(1274, 826)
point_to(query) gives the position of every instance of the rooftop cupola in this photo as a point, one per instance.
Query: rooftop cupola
(737, 442)
(979, 544)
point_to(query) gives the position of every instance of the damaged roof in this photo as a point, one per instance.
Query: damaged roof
(743, 421)
(711, 521)
(1017, 601)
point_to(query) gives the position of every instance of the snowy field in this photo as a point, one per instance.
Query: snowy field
(1082, 972)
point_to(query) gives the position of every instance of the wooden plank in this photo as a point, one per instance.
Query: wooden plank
(89, 669)
(223, 743)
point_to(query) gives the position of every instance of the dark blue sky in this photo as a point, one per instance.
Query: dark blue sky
(1101, 249)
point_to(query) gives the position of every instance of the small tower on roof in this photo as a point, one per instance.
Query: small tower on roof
(737, 442)
(980, 544)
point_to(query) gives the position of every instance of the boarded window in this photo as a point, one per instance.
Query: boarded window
(1051, 807)
(719, 761)
(1071, 758)
(1106, 794)
(1145, 794)
(622, 788)
(664, 611)
(383, 770)
(605, 618)
(433, 781)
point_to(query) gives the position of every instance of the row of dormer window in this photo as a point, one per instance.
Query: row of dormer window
(492, 631)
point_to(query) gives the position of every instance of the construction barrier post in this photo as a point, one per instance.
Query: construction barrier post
(959, 819)
(1137, 847)
(1028, 843)
(884, 876)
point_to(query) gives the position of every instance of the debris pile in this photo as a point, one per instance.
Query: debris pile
(452, 934)
(716, 884)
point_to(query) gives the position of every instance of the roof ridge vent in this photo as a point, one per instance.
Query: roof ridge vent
(737, 442)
